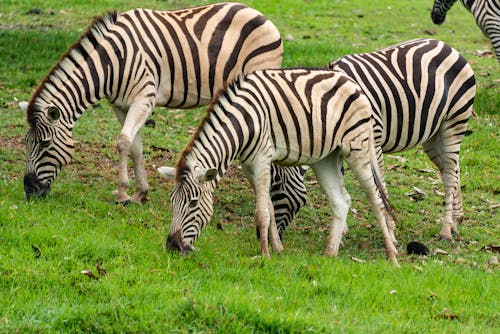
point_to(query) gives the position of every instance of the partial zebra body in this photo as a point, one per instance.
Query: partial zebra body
(421, 92)
(138, 60)
(291, 117)
(485, 12)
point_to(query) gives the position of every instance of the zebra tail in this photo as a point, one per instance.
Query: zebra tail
(378, 183)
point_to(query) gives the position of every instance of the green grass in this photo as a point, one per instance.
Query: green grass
(223, 287)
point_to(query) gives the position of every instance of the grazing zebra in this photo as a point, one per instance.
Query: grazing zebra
(486, 13)
(292, 117)
(422, 92)
(137, 60)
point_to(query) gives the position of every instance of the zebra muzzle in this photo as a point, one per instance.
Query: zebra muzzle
(437, 16)
(33, 187)
(174, 243)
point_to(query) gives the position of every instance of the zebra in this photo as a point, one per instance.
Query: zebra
(422, 92)
(486, 14)
(139, 59)
(292, 117)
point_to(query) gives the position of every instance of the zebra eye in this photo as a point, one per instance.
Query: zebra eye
(44, 143)
(193, 202)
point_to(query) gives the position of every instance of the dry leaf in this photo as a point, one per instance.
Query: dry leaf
(482, 53)
(398, 158)
(355, 259)
(100, 270)
(446, 314)
(439, 251)
(89, 274)
(493, 261)
(492, 248)
(417, 194)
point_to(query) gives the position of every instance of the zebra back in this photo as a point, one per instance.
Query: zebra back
(414, 87)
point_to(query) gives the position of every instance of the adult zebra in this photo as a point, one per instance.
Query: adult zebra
(293, 117)
(422, 92)
(486, 13)
(137, 60)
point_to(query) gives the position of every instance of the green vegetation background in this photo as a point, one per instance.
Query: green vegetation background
(223, 287)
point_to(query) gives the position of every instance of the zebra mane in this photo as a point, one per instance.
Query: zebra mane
(95, 32)
(223, 93)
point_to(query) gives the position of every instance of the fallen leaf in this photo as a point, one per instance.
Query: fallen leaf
(398, 158)
(492, 248)
(446, 314)
(100, 270)
(417, 194)
(482, 53)
(89, 274)
(439, 251)
(430, 32)
(355, 259)
(493, 261)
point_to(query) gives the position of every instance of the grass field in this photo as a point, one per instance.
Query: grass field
(223, 287)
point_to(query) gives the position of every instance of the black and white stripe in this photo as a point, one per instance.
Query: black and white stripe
(137, 60)
(292, 117)
(486, 13)
(422, 92)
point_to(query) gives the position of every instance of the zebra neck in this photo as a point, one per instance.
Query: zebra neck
(73, 85)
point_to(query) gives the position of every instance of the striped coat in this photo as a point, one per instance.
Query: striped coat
(291, 117)
(138, 60)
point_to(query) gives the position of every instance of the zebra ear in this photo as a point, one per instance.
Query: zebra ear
(53, 113)
(207, 175)
(24, 106)
(167, 171)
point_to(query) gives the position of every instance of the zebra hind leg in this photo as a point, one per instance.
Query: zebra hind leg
(363, 162)
(443, 149)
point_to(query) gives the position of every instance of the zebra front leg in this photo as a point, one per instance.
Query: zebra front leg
(259, 175)
(141, 181)
(132, 120)
(331, 179)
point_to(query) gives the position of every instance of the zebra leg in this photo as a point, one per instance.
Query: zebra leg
(123, 181)
(331, 179)
(391, 224)
(260, 178)
(362, 160)
(288, 194)
(443, 149)
(141, 182)
(134, 119)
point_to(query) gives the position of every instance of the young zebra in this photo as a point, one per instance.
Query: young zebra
(137, 60)
(292, 117)
(486, 13)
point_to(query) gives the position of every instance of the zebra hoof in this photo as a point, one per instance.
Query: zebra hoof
(447, 238)
(125, 202)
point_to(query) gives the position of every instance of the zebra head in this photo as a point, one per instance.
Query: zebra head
(49, 145)
(192, 205)
(439, 10)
